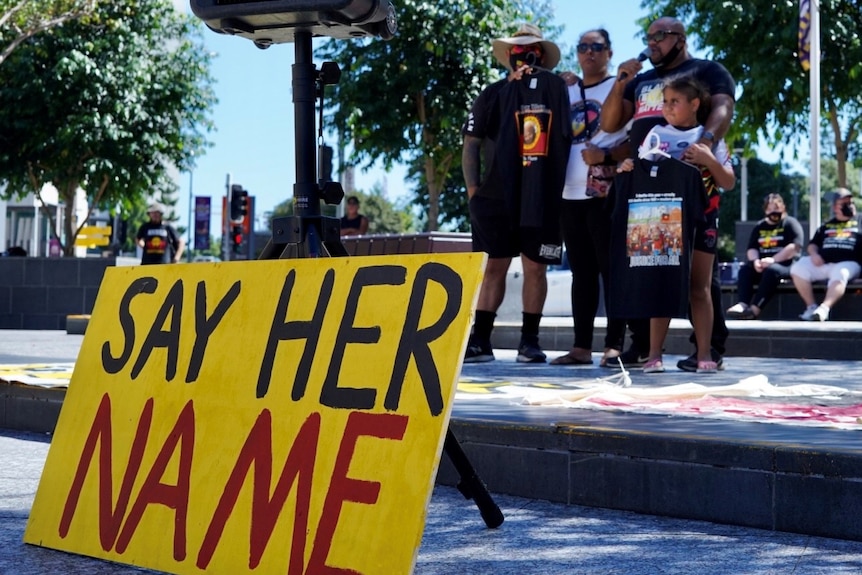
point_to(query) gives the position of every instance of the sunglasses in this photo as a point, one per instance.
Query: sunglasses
(583, 47)
(527, 48)
(659, 36)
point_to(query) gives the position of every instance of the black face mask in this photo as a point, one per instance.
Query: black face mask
(528, 58)
(848, 210)
(774, 216)
(669, 57)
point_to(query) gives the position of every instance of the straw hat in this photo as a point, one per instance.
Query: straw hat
(526, 34)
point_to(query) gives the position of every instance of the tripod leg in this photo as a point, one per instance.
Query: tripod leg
(471, 485)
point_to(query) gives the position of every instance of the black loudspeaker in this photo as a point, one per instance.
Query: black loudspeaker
(268, 22)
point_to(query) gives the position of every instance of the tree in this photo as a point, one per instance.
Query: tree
(22, 19)
(107, 107)
(383, 216)
(757, 42)
(405, 100)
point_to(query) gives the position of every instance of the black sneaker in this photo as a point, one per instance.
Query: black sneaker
(530, 352)
(478, 351)
(690, 363)
(632, 358)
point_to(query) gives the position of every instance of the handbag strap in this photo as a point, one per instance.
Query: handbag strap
(587, 132)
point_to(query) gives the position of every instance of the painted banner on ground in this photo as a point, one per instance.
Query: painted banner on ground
(271, 417)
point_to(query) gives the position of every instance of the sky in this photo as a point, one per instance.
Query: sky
(253, 141)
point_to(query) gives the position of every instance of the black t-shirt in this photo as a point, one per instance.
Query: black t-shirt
(644, 91)
(770, 238)
(656, 207)
(532, 137)
(838, 241)
(351, 223)
(160, 243)
(477, 126)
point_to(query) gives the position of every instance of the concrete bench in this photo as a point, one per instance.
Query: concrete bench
(787, 305)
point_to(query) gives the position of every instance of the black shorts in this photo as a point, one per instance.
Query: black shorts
(706, 234)
(494, 234)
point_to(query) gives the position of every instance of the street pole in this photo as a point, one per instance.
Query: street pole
(743, 185)
(225, 222)
(190, 246)
(814, 136)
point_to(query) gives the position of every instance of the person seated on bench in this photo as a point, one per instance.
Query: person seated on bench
(834, 254)
(774, 244)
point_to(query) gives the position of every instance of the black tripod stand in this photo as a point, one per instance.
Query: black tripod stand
(307, 234)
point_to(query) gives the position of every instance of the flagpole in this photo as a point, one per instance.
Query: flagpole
(814, 88)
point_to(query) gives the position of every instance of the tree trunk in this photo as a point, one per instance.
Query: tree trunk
(434, 186)
(840, 147)
(68, 240)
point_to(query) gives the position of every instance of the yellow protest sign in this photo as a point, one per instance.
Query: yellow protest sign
(278, 416)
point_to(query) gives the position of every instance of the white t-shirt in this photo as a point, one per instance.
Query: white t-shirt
(674, 142)
(585, 116)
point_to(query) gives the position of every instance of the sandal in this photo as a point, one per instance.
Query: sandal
(707, 367)
(654, 366)
(570, 359)
(609, 359)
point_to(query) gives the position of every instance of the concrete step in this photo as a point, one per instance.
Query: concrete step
(837, 340)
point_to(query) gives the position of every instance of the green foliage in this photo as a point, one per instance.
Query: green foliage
(107, 105)
(383, 216)
(20, 20)
(405, 100)
(757, 42)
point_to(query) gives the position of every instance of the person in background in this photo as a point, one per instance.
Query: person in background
(834, 255)
(584, 217)
(160, 242)
(637, 97)
(517, 130)
(774, 245)
(352, 222)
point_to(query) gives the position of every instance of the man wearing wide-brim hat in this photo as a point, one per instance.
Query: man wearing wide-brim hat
(510, 52)
(160, 242)
(522, 125)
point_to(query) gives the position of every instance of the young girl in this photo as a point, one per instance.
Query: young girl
(685, 106)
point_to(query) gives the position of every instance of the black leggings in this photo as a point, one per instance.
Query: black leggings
(767, 282)
(586, 232)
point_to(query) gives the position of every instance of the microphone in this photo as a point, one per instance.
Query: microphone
(532, 61)
(641, 57)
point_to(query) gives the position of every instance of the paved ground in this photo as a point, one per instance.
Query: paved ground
(538, 537)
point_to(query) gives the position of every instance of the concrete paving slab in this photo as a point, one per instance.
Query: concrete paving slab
(781, 477)
(538, 537)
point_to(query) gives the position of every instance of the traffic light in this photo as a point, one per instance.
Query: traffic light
(238, 203)
(236, 238)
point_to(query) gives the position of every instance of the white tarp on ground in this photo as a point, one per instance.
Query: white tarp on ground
(38, 374)
(751, 399)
